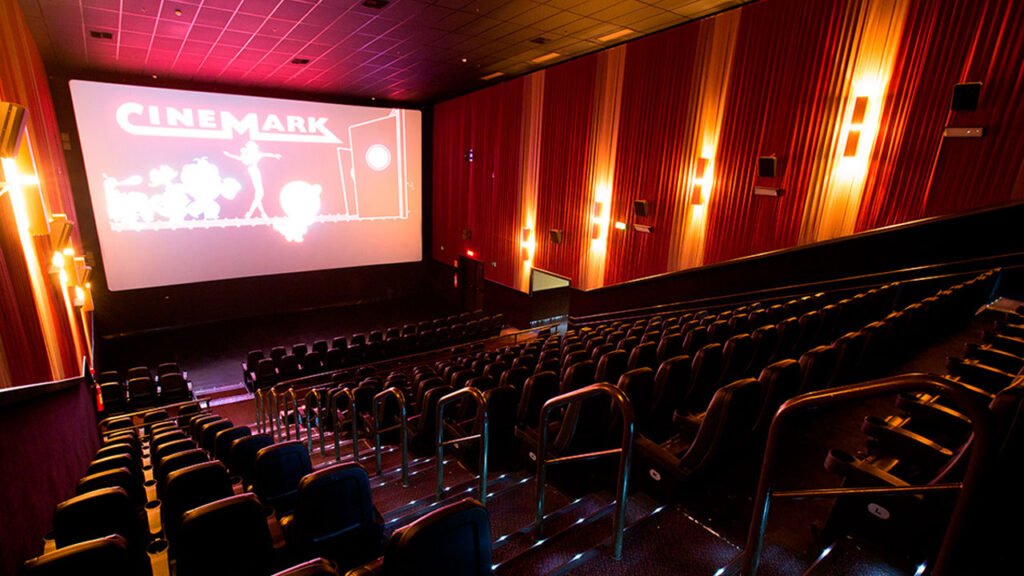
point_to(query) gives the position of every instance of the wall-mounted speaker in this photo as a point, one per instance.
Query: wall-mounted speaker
(640, 208)
(556, 236)
(965, 96)
(467, 234)
(766, 166)
(13, 118)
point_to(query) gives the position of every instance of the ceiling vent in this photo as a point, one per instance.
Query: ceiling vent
(375, 4)
(101, 35)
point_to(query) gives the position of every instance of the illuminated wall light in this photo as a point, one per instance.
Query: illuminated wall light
(860, 110)
(68, 276)
(527, 244)
(56, 263)
(545, 58)
(595, 228)
(700, 180)
(82, 271)
(620, 225)
(79, 300)
(470, 253)
(60, 231)
(852, 139)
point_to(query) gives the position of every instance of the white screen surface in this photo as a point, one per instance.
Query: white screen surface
(192, 186)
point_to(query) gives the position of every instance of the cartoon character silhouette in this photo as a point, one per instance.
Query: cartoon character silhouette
(126, 207)
(301, 203)
(201, 180)
(251, 156)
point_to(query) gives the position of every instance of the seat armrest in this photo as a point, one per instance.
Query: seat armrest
(933, 415)
(905, 444)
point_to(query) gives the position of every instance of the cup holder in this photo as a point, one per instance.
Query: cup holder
(153, 504)
(157, 546)
(269, 511)
(149, 483)
(147, 467)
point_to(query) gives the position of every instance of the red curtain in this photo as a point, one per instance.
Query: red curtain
(654, 144)
(480, 196)
(563, 198)
(937, 39)
(972, 173)
(782, 77)
(20, 331)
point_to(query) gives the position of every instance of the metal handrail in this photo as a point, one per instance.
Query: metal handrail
(378, 403)
(350, 403)
(276, 422)
(950, 559)
(291, 395)
(625, 452)
(484, 438)
(258, 396)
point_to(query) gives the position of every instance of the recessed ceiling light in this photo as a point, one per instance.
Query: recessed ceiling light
(545, 58)
(177, 11)
(464, 60)
(375, 4)
(615, 35)
(101, 35)
(540, 40)
(492, 76)
(300, 60)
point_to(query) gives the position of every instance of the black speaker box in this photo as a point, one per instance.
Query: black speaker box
(766, 166)
(640, 207)
(556, 236)
(13, 118)
(965, 96)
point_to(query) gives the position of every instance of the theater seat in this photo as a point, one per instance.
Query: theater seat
(314, 567)
(119, 478)
(189, 488)
(229, 536)
(611, 366)
(224, 439)
(671, 383)
(638, 385)
(108, 555)
(704, 375)
(452, 541)
(780, 381)
(97, 514)
(335, 517)
(243, 455)
(276, 475)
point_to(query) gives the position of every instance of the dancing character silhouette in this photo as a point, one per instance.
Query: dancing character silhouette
(251, 156)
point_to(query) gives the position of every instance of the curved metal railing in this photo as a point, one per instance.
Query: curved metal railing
(483, 437)
(951, 558)
(350, 405)
(378, 405)
(624, 451)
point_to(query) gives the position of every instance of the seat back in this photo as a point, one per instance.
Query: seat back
(764, 340)
(671, 383)
(113, 396)
(335, 517)
(97, 514)
(452, 541)
(576, 376)
(736, 356)
(279, 469)
(166, 449)
(173, 388)
(208, 433)
(243, 455)
(726, 425)
(704, 376)
(817, 367)
(670, 346)
(228, 536)
(191, 487)
(223, 440)
(644, 356)
(108, 555)
(537, 390)
(638, 384)
(780, 381)
(141, 392)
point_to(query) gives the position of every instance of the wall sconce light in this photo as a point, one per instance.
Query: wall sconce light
(526, 244)
(595, 228)
(860, 112)
(852, 139)
(68, 274)
(79, 300)
(699, 178)
(620, 225)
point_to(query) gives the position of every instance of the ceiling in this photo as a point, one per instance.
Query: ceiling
(410, 51)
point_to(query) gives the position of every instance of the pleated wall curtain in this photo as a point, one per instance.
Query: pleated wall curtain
(654, 149)
(782, 75)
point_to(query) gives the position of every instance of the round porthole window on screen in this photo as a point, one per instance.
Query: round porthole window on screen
(378, 157)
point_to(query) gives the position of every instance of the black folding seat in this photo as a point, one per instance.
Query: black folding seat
(817, 368)
(249, 366)
(780, 381)
(138, 372)
(694, 340)
(978, 374)
(116, 449)
(810, 326)
(611, 366)
(335, 517)
(208, 434)
(739, 323)
(671, 383)
(108, 376)
(168, 449)
(719, 331)
(994, 357)
(830, 322)
(452, 541)
(577, 376)
(195, 425)
(794, 308)
(628, 343)
(288, 367)
(574, 357)
(243, 455)
(174, 388)
(339, 342)
(277, 473)
(501, 405)
(120, 424)
(118, 461)
(764, 341)
(107, 555)
(758, 318)
(178, 461)
(165, 368)
(97, 514)
(537, 390)
(113, 396)
(188, 488)
(314, 567)
(650, 336)
(662, 470)
(266, 374)
(228, 536)
(849, 349)
(313, 363)
(602, 349)
(276, 353)
(188, 410)
(789, 333)
(481, 383)
(705, 373)
(119, 478)
(392, 347)
(165, 436)
(141, 393)
(737, 353)
(638, 385)
(423, 426)
(670, 345)
(644, 355)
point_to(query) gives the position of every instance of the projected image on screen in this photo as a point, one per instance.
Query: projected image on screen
(189, 186)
